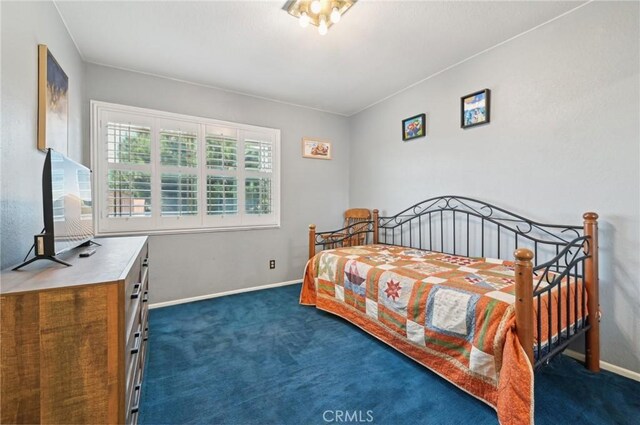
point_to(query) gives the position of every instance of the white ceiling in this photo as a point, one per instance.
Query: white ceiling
(255, 47)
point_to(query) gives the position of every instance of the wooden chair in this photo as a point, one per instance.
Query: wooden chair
(352, 216)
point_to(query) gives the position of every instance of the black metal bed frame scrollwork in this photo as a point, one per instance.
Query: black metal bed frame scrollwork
(468, 227)
(444, 208)
(340, 237)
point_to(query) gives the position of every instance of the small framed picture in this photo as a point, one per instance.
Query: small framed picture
(413, 127)
(475, 108)
(316, 148)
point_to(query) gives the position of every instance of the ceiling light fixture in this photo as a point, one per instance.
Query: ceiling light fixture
(321, 13)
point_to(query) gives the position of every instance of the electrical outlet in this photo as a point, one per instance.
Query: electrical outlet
(272, 264)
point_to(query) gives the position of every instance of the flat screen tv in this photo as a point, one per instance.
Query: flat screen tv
(67, 206)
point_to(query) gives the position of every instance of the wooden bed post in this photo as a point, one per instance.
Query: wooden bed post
(592, 341)
(524, 300)
(375, 226)
(312, 240)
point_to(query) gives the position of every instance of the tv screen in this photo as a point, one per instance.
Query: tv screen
(68, 204)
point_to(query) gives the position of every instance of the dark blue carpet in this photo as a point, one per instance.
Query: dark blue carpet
(260, 358)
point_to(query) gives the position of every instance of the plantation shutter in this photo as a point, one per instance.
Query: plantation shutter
(259, 152)
(128, 169)
(221, 146)
(157, 171)
(179, 173)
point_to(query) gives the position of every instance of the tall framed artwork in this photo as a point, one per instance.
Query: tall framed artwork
(475, 109)
(53, 103)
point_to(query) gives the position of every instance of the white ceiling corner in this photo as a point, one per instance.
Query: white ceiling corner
(256, 48)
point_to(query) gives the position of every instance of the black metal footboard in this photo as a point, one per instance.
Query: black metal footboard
(556, 280)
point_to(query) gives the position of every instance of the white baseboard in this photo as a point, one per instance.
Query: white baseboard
(607, 366)
(221, 294)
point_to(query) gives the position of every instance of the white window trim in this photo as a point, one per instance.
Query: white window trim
(204, 223)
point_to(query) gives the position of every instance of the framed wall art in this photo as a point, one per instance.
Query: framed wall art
(475, 108)
(414, 127)
(53, 103)
(316, 148)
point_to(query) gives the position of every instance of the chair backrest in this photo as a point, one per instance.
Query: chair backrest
(354, 216)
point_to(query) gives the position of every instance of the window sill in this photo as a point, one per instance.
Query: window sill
(187, 231)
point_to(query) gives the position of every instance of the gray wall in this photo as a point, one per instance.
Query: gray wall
(563, 139)
(312, 191)
(24, 26)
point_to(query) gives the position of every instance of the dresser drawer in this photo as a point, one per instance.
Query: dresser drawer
(143, 357)
(136, 279)
(137, 336)
(132, 355)
(144, 306)
(134, 298)
(134, 398)
(136, 391)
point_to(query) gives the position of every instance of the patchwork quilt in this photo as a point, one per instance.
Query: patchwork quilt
(455, 315)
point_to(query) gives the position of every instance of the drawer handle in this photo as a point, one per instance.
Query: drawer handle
(137, 288)
(136, 345)
(145, 297)
(145, 262)
(136, 404)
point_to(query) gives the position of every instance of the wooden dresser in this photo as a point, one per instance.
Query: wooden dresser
(74, 339)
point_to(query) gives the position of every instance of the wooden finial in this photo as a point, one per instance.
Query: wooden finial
(523, 254)
(590, 216)
(312, 227)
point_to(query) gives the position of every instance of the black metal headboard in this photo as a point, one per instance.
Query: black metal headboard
(463, 226)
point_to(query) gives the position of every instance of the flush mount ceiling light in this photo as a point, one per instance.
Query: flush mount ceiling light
(321, 13)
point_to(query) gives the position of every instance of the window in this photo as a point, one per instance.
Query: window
(161, 172)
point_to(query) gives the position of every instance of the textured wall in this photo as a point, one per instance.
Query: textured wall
(563, 140)
(187, 265)
(24, 26)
